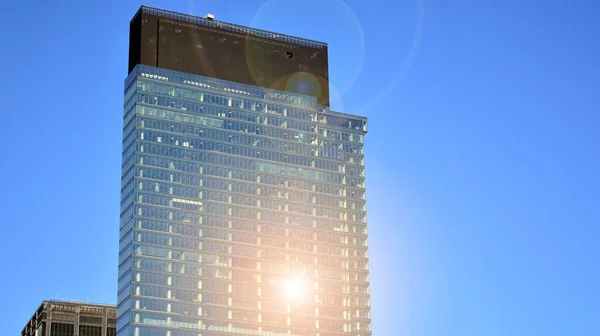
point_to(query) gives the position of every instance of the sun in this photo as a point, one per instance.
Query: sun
(294, 288)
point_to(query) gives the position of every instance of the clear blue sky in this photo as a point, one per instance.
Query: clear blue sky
(482, 158)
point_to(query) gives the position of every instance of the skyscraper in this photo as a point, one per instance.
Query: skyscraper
(243, 207)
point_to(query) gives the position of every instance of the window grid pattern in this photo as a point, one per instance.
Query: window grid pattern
(86, 330)
(227, 202)
(62, 329)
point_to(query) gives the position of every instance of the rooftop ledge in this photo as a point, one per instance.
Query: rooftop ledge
(229, 26)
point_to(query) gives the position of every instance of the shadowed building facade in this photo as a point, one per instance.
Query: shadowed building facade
(243, 205)
(206, 47)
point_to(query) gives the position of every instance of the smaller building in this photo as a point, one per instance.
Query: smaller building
(71, 318)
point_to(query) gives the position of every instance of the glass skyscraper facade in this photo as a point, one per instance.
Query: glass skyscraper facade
(243, 211)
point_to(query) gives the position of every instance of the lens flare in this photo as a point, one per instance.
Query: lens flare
(294, 288)
(318, 14)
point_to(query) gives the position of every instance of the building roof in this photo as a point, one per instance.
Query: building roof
(229, 27)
